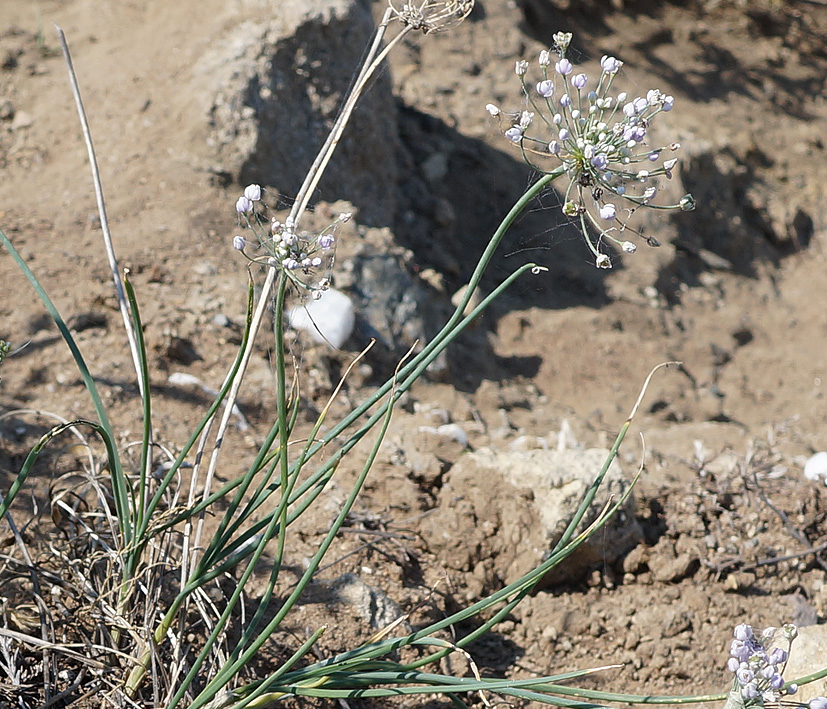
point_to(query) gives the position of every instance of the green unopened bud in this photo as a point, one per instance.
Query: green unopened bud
(570, 209)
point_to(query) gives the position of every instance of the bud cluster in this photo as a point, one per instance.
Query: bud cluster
(600, 139)
(305, 258)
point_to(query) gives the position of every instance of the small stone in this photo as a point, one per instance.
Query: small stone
(22, 120)
(816, 467)
(6, 110)
(328, 320)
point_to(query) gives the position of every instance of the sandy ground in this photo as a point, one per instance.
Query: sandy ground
(735, 293)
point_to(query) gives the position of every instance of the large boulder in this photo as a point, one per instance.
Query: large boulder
(276, 83)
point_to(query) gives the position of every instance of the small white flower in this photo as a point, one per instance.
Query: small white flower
(492, 109)
(243, 205)
(545, 88)
(239, 243)
(628, 247)
(603, 261)
(545, 58)
(514, 134)
(562, 40)
(608, 212)
(521, 67)
(526, 117)
(252, 192)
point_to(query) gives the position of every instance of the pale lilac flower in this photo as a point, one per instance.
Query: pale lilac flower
(545, 58)
(290, 264)
(554, 147)
(777, 656)
(564, 134)
(600, 161)
(635, 133)
(243, 205)
(668, 103)
(325, 241)
(653, 157)
(252, 192)
(608, 212)
(557, 119)
(579, 81)
(818, 703)
(610, 64)
(565, 100)
(239, 243)
(514, 134)
(668, 166)
(545, 88)
(750, 691)
(521, 67)
(563, 67)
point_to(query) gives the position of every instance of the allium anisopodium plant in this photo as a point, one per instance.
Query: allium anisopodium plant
(758, 665)
(600, 139)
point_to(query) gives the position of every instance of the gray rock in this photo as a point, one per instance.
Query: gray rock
(273, 88)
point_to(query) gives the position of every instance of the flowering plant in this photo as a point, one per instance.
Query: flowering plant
(598, 140)
(758, 665)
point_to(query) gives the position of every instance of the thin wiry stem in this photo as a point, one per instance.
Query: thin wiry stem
(107, 235)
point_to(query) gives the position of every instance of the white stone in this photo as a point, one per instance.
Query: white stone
(816, 467)
(328, 320)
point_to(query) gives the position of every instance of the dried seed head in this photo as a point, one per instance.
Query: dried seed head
(432, 15)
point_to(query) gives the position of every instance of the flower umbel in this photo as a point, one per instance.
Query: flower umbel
(599, 139)
(305, 258)
(758, 665)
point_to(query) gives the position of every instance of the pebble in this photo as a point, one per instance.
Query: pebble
(330, 319)
(816, 467)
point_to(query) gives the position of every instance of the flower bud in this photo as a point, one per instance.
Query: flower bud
(545, 58)
(628, 247)
(239, 243)
(687, 204)
(579, 81)
(521, 67)
(492, 109)
(243, 205)
(563, 67)
(252, 192)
